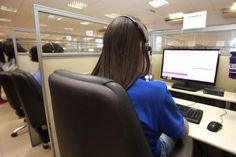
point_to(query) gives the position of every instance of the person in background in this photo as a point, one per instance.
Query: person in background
(9, 51)
(2, 61)
(124, 59)
(47, 48)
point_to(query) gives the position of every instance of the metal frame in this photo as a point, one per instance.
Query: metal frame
(43, 9)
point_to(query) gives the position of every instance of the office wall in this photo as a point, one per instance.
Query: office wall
(222, 77)
(24, 62)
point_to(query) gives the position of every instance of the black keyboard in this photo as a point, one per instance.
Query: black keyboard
(191, 114)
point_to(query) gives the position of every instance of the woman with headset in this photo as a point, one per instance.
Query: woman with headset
(47, 48)
(125, 59)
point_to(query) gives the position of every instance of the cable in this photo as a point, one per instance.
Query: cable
(191, 104)
(225, 112)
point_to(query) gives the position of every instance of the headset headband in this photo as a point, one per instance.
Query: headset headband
(53, 49)
(143, 31)
(139, 26)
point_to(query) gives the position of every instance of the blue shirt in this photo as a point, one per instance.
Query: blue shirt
(156, 111)
(37, 76)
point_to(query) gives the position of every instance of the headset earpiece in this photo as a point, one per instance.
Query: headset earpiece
(144, 33)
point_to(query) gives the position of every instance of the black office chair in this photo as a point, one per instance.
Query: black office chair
(30, 94)
(94, 117)
(13, 99)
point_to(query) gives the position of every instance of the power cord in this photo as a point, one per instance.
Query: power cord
(191, 104)
(223, 114)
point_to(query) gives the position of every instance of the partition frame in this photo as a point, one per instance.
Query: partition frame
(43, 9)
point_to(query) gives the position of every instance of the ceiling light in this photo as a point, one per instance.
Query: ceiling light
(43, 25)
(84, 23)
(68, 29)
(157, 3)
(5, 20)
(3, 26)
(113, 15)
(5, 8)
(233, 6)
(77, 5)
(176, 15)
(53, 17)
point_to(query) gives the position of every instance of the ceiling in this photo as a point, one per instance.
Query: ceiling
(154, 19)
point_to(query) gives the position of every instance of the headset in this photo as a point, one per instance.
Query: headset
(148, 48)
(143, 32)
(53, 49)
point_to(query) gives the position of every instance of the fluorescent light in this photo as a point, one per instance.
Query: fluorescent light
(53, 17)
(68, 28)
(77, 5)
(84, 23)
(157, 3)
(43, 25)
(5, 8)
(3, 26)
(233, 6)
(5, 20)
(176, 15)
(113, 15)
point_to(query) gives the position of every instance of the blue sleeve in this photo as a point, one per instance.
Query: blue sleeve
(171, 120)
(37, 77)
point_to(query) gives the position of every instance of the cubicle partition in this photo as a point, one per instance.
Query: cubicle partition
(81, 39)
(212, 37)
(25, 38)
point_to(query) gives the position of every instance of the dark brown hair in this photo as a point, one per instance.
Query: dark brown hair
(123, 57)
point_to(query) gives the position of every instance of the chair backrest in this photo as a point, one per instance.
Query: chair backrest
(30, 94)
(11, 92)
(94, 117)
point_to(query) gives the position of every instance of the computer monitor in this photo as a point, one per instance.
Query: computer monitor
(196, 65)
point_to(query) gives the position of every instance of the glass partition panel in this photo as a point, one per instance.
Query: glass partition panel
(73, 35)
(217, 37)
(25, 40)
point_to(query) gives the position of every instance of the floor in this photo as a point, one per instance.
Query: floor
(19, 146)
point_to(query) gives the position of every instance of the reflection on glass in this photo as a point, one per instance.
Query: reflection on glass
(198, 40)
(73, 35)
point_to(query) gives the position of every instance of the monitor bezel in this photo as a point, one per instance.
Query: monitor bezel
(181, 79)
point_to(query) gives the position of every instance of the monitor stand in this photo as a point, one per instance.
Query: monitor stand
(186, 86)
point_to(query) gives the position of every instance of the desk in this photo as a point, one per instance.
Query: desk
(225, 138)
(229, 97)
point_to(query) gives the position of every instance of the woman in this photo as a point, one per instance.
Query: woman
(47, 48)
(125, 59)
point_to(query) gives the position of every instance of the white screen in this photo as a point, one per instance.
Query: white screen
(196, 65)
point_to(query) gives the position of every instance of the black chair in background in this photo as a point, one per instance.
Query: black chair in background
(94, 117)
(12, 96)
(30, 94)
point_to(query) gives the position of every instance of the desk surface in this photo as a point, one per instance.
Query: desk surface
(225, 138)
(228, 96)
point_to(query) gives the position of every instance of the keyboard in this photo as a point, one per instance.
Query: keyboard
(191, 114)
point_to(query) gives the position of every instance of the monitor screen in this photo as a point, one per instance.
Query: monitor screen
(190, 64)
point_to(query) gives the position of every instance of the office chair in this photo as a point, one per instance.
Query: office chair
(94, 117)
(30, 94)
(13, 99)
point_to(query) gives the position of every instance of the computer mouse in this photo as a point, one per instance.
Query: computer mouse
(214, 126)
